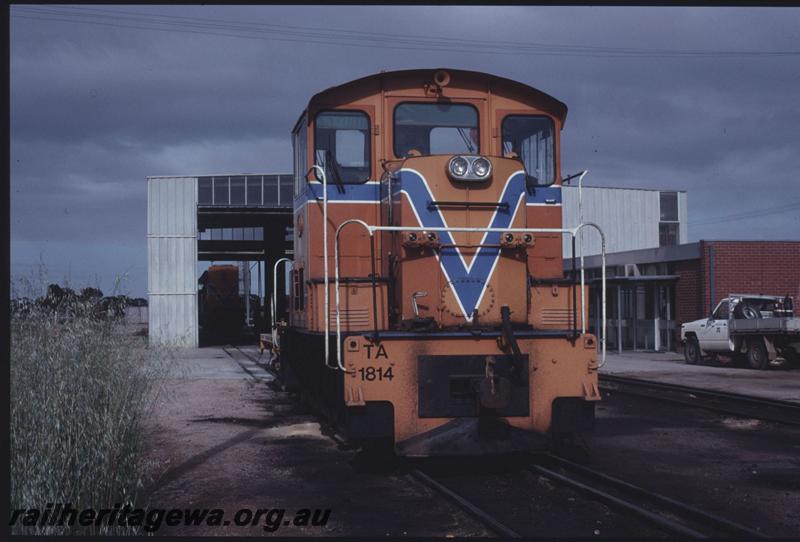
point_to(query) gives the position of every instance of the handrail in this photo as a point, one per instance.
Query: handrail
(321, 172)
(603, 282)
(580, 221)
(336, 285)
(503, 205)
(372, 229)
(274, 300)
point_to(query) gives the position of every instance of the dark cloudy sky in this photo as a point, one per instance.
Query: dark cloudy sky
(102, 96)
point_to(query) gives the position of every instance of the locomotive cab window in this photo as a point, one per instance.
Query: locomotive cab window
(532, 139)
(435, 128)
(342, 146)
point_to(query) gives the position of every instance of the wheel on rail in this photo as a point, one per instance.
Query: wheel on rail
(757, 357)
(691, 351)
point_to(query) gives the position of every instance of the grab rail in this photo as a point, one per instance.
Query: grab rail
(603, 280)
(321, 173)
(274, 300)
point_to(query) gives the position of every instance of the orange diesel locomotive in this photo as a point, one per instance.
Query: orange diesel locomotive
(429, 203)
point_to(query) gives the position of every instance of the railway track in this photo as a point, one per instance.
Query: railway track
(728, 403)
(672, 516)
(466, 505)
(665, 514)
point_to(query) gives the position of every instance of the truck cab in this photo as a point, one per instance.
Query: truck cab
(755, 328)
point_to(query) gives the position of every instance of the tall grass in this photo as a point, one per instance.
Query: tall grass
(81, 388)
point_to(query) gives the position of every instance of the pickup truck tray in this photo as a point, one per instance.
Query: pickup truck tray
(766, 325)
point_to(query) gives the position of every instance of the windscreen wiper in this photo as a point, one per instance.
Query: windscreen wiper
(337, 176)
(466, 139)
(570, 177)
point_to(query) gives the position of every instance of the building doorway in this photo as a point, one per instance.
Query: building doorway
(639, 312)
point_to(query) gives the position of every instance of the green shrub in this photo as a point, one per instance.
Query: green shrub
(81, 388)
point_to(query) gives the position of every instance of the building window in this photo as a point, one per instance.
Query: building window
(237, 190)
(669, 206)
(668, 228)
(221, 191)
(285, 190)
(667, 234)
(253, 190)
(205, 191)
(271, 189)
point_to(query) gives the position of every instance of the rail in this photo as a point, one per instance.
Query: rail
(672, 515)
(761, 408)
(466, 505)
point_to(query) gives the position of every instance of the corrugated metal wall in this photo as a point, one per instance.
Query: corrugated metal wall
(628, 217)
(683, 213)
(172, 260)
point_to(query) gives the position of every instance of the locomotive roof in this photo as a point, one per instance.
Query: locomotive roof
(363, 86)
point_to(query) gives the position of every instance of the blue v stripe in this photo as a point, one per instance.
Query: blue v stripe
(468, 281)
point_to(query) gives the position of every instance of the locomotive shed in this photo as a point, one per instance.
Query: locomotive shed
(244, 219)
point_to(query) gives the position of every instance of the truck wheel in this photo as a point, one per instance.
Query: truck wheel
(757, 354)
(691, 351)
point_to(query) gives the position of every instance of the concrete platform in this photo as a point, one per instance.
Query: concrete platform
(779, 382)
(215, 363)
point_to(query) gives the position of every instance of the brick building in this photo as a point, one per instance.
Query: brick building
(650, 292)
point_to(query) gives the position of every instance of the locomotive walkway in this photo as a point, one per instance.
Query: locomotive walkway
(778, 383)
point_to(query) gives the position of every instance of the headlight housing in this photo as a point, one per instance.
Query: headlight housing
(469, 168)
(458, 166)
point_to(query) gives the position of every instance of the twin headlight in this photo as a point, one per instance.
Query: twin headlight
(469, 168)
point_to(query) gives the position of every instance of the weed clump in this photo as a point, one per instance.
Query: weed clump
(81, 388)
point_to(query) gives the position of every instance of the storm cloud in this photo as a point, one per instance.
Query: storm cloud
(102, 96)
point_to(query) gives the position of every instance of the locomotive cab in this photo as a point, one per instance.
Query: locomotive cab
(428, 304)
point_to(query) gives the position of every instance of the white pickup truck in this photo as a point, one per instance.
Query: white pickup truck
(755, 328)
